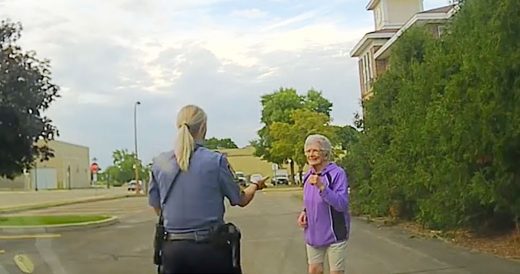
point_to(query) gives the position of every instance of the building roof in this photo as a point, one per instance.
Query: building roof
(372, 4)
(438, 14)
(245, 151)
(52, 142)
(434, 15)
(444, 9)
(367, 38)
(384, 31)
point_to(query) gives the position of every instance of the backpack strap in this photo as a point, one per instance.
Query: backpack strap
(329, 178)
(306, 177)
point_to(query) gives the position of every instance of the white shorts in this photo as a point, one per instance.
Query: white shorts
(336, 254)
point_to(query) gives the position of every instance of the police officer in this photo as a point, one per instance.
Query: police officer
(196, 200)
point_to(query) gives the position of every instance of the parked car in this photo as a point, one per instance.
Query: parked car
(281, 177)
(241, 178)
(132, 185)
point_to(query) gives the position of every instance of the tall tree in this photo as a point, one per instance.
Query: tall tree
(276, 107)
(290, 137)
(279, 108)
(315, 101)
(26, 91)
(215, 143)
(123, 166)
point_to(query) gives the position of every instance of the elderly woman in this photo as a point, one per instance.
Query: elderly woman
(325, 217)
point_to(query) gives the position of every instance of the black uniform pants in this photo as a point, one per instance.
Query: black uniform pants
(192, 257)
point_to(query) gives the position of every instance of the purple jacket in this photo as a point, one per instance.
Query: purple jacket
(328, 218)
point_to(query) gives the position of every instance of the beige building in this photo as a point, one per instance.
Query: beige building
(391, 19)
(244, 160)
(69, 168)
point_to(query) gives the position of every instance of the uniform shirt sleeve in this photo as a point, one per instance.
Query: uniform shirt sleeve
(229, 187)
(336, 194)
(154, 197)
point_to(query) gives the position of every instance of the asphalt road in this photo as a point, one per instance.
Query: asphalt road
(271, 244)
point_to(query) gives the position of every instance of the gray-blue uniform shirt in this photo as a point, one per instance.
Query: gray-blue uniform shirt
(197, 199)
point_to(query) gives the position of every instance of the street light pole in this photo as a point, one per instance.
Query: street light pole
(136, 164)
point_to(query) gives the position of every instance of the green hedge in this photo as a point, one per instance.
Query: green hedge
(441, 136)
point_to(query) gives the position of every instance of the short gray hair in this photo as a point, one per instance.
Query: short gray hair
(322, 141)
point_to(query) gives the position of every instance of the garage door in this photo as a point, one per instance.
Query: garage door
(44, 178)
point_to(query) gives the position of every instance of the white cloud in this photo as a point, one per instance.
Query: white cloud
(316, 35)
(293, 20)
(107, 55)
(249, 13)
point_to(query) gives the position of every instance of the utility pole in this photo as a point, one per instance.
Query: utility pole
(136, 163)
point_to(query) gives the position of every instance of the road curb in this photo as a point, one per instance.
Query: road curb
(379, 221)
(58, 228)
(15, 209)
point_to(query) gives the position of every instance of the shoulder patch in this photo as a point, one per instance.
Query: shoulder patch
(222, 157)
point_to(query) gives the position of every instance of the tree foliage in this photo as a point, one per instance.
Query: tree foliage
(346, 136)
(122, 170)
(278, 107)
(26, 91)
(441, 136)
(215, 143)
(315, 102)
(289, 138)
(288, 118)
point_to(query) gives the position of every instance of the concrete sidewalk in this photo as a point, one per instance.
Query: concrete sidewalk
(17, 200)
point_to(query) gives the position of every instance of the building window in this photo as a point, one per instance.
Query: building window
(370, 74)
(365, 57)
(362, 75)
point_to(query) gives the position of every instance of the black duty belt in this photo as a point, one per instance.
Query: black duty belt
(197, 236)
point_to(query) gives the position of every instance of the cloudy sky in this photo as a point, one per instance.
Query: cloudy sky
(219, 54)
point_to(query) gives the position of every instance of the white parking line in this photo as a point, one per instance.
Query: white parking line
(29, 236)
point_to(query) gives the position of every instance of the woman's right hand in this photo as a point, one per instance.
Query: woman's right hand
(302, 220)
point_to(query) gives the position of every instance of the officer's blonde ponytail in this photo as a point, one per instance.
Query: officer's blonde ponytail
(191, 122)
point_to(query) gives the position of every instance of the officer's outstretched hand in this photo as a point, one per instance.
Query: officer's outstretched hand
(261, 183)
